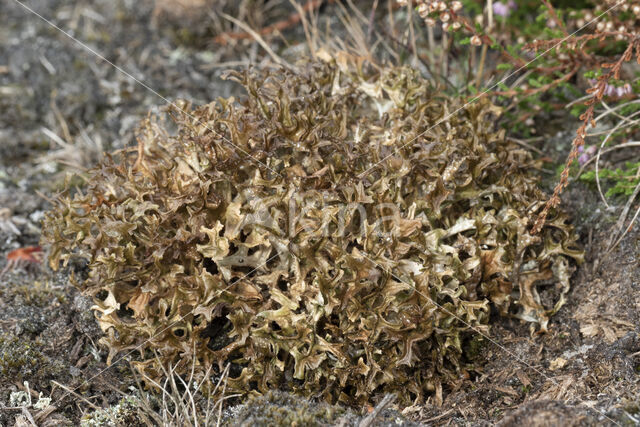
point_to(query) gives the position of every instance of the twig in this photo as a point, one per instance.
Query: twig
(392, 25)
(68, 390)
(63, 123)
(311, 40)
(430, 420)
(445, 53)
(372, 16)
(597, 93)
(292, 20)
(524, 144)
(29, 417)
(621, 220)
(412, 36)
(617, 107)
(554, 17)
(223, 377)
(604, 141)
(384, 403)
(259, 39)
(485, 46)
(221, 401)
(541, 89)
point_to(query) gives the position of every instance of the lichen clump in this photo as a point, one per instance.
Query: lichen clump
(340, 232)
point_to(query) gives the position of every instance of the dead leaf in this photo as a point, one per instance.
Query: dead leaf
(557, 363)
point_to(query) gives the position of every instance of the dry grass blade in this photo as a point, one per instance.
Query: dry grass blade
(621, 230)
(29, 417)
(608, 136)
(279, 26)
(258, 38)
(224, 389)
(183, 400)
(70, 391)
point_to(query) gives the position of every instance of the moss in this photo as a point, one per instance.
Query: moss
(185, 36)
(79, 64)
(20, 358)
(631, 406)
(277, 408)
(25, 359)
(36, 294)
(338, 233)
(475, 346)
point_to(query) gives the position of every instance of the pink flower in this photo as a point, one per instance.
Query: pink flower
(611, 90)
(502, 9)
(584, 158)
(586, 154)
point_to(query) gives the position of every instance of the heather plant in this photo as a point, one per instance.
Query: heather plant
(537, 57)
(337, 232)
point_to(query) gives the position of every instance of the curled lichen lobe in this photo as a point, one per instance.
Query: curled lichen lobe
(339, 232)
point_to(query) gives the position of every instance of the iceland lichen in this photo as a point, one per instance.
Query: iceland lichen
(340, 232)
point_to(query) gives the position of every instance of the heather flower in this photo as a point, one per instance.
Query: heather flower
(586, 155)
(610, 90)
(584, 158)
(502, 9)
(614, 91)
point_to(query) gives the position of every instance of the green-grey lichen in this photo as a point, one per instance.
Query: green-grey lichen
(340, 232)
(124, 413)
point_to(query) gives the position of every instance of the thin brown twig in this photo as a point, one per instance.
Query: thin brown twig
(485, 46)
(541, 89)
(597, 93)
(84, 399)
(282, 25)
(436, 418)
(554, 17)
(384, 403)
(258, 38)
(372, 16)
(621, 230)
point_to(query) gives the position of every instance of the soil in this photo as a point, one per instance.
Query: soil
(61, 108)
